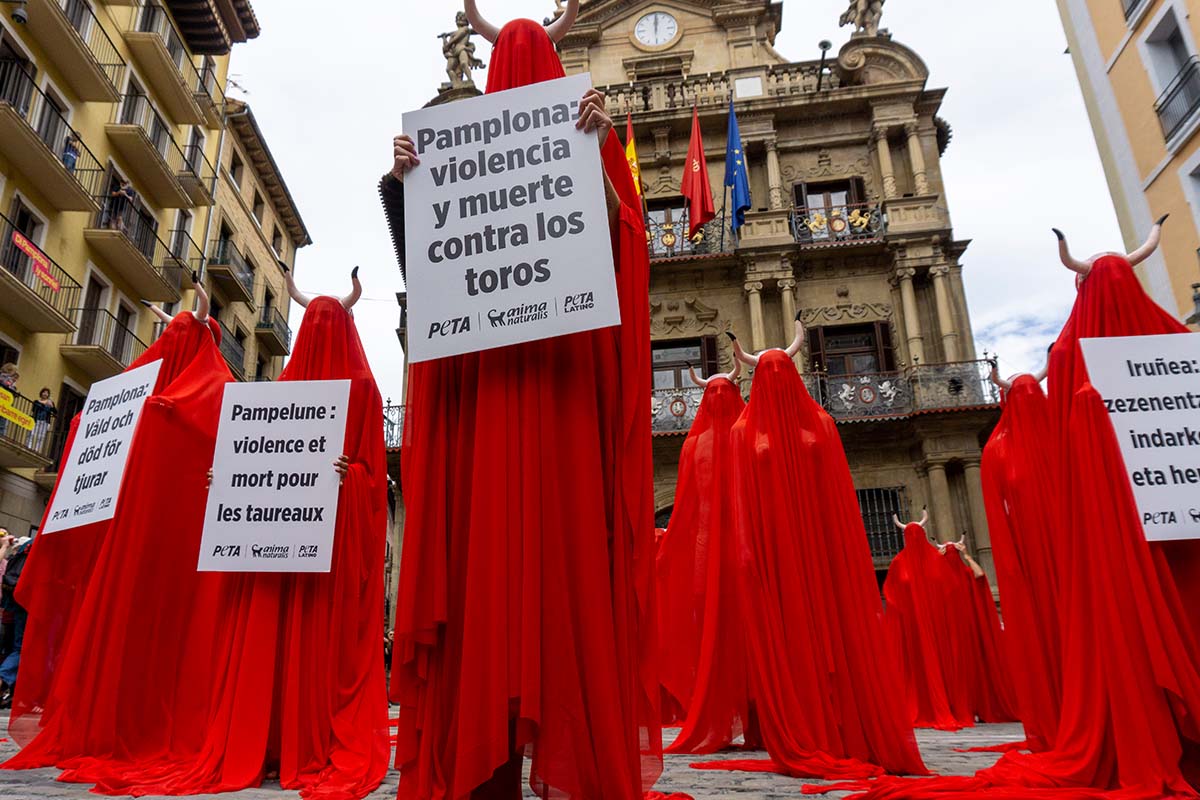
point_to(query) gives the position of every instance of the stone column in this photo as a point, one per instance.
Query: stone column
(912, 320)
(979, 524)
(945, 313)
(787, 297)
(758, 334)
(917, 156)
(880, 136)
(774, 175)
(941, 508)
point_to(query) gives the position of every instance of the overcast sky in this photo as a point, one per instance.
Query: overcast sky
(330, 81)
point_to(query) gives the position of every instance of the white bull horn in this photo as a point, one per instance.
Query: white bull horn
(558, 29)
(349, 300)
(1151, 244)
(480, 25)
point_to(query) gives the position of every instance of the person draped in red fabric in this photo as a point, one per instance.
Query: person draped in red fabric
(829, 699)
(1131, 663)
(145, 632)
(1023, 494)
(701, 663)
(60, 565)
(525, 614)
(919, 598)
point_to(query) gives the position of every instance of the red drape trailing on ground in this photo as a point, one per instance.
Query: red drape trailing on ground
(525, 612)
(60, 565)
(829, 697)
(701, 660)
(1023, 491)
(919, 595)
(131, 678)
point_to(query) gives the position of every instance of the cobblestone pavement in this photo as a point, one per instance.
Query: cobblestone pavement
(937, 747)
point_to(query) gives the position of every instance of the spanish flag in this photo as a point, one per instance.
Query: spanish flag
(632, 156)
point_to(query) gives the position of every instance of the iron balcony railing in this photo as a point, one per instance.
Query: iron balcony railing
(98, 328)
(188, 258)
(670, 239)
(83, 20)
(18, 89)
(40, 273)
(197, 166)
(674, 410)
(921, 388)
(223, 252)
(1178, 103)
(822, 225)
(58, 443)
(234, 351)
(154, 18)
(393, 425)
(37, 441)
(272, 320)
(118, 213)
(135, 109)
(209, 87)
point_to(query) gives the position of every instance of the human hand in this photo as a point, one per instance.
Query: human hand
(593, 115)
(404, 156)
(208, 483)
(342, 466)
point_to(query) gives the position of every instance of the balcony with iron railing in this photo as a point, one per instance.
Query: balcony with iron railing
(128, 242)
(393, 425)
(144, 138)
(669, 239)
(1179, 102)
(159, 49)
(36, 140)
(82, 51)
(197, 175)
(210, 96)
(34, 290)
(273, 333)
(102, 346)
(234, 352)
(836, 226)
(25, 439)
(189, 259)
(231, 271)
(920, 389)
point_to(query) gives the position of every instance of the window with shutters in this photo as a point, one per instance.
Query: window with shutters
(852, 349)
(670, 360)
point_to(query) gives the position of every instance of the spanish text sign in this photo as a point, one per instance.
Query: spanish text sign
(90, 476)
(273, 502)
(505, 221)
(1151, 386)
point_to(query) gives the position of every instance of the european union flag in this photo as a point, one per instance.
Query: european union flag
(737, 175)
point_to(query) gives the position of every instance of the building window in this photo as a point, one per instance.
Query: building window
(670, 360)
(277, 241)
(236, 168)
(260, 207)
(1176, 71)
(877, 507)
(852, 349)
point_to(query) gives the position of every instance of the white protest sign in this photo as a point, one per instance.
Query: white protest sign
(91, 473)
(1151, 386)
(273, 501)
(505, 223)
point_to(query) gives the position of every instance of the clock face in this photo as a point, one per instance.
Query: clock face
(656, 28)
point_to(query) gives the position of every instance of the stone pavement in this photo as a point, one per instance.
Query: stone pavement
(937, 747)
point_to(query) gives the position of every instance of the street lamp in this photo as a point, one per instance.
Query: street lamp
(825, 46)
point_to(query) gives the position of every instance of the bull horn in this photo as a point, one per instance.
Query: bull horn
(202, 304)
(899, 524)
(1041, 374)
(349, 300)
(739, 353)
(696, 379)
(924, 516)
(480, 25)
(158, 312)
(1147, 249)
(293, 292)
(996, 379)
(737, 370)
(558, 29)
(793, 349)
(1068, 260)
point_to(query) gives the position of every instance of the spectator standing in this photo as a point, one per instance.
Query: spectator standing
(44, 412)
(8, 601)
(120, 204)
(70, 151)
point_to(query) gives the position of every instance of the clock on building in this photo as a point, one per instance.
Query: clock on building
(656, 29)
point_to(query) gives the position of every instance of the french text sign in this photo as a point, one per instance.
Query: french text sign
(90, 476)
(272, 505)
(1151, 386)
(506, 226)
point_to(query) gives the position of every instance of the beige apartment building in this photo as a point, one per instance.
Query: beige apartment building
(115, 187)
(1139, 68)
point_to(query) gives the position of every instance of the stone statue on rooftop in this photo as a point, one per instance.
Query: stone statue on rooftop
(864, 15)
(459, 51)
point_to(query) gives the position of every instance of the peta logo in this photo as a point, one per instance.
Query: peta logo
(227, 551)
(270, 550)
(579, 302)
(449, 327)
(307, 551)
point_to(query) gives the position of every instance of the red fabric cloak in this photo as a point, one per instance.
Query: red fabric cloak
(920, 598)
(701, 662)
(1023, 492)
(829, 700)
(60, 565)
(525, 612)
(145, 632)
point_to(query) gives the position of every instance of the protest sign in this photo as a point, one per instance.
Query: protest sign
(91, 473)
(1151, 386)
(10, 413)
(273, 501)
(507, 234)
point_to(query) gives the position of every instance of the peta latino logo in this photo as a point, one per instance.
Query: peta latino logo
(518, 315)
(227, 551)
(307, 551)
(270, 550)
(579, 302)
